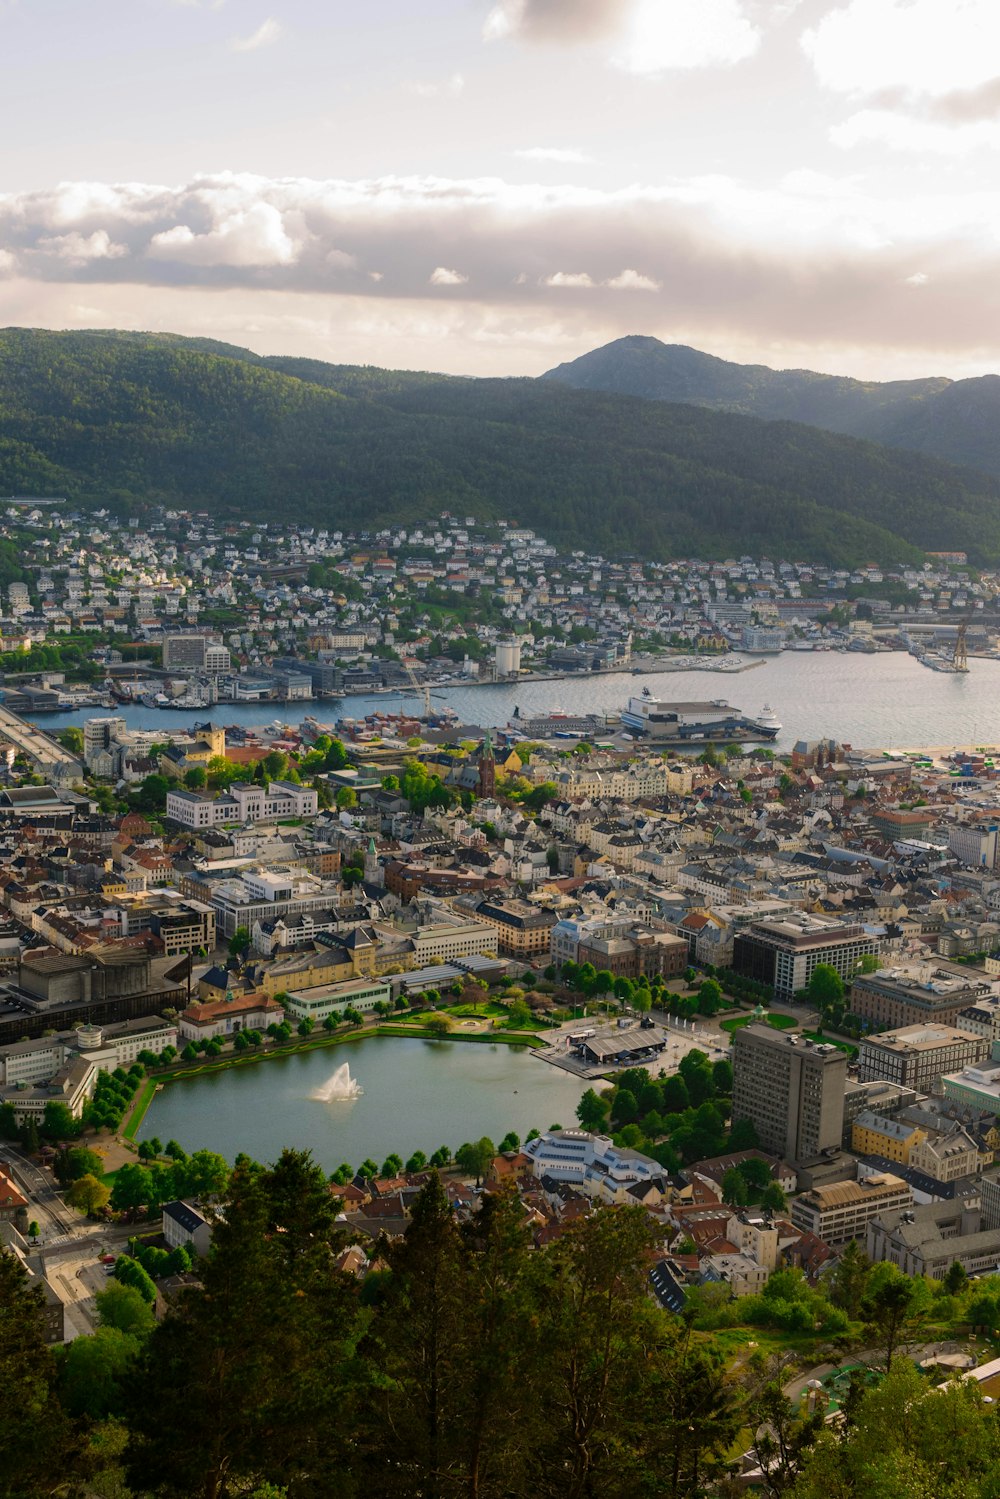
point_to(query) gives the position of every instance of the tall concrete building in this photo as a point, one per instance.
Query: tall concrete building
(792, 1090)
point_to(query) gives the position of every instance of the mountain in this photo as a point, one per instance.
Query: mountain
(958, 420)
(132, 419)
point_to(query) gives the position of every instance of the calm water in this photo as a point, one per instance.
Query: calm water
(885, 700)
(418, 1095)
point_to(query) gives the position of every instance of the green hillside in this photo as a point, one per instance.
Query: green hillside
(957, 420)
(129, 419)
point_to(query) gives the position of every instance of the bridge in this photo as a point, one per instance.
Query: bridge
(46, 754)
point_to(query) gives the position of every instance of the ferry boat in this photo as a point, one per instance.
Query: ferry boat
(768, 719)
(647, 717)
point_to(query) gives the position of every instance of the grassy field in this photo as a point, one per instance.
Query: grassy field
(140, 1104)
(852, 1051)
(780, 1022)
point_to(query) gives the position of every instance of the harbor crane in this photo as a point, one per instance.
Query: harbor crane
(960, 659)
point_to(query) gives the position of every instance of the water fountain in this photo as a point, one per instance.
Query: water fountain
(339, 1088)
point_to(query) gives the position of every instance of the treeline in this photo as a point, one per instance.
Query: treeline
(465, 1363)
(129, 420)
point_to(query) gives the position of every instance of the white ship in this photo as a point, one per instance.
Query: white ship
(692, 723)
(768, 719)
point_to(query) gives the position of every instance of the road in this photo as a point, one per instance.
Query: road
(49, 756)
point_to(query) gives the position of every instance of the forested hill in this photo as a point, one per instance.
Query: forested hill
(958, 420)
(128, 419)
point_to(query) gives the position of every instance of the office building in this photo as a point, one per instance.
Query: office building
(916, 993)
(791, 1089)
(785, 952)
(916, 1056)
(844, 1210)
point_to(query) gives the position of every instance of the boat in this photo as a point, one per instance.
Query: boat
(767, 718)
(716, 722)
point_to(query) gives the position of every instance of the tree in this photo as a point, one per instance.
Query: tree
(417, 1161)
(519, 1015)
(121, 1306)
(438, 1025)
(132, 1189)
(239, 942)
(9, 1127)
(826, 987)
(773, 1198)
(890, 1306)
(392, 1165)
(33, 1430)
(510, 1142)
(195, 778)
(72, 740)
(592, 1111)
(88, 1195)
(956, 1279)
(476, 1158)
(58, 1123)
(70, 1165)
(346, 799)
(95, 1371)
(709, 997)
(33, 1230)
(675, 1095)
(734, 1188)
(130, 1273)
(722, 1076)
(624, 1108)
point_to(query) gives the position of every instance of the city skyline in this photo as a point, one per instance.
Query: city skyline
(495, 186)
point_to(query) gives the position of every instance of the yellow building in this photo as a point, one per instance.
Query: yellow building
(873, 1134)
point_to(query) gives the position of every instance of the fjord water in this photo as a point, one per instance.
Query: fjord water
(885, 700)
(417, 1095)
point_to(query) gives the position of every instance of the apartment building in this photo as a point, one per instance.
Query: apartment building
(792, 1089)
(523, 930)
(785, 952)
(262, 895)
(892, 1139)
(916, 1056)
(844, 1210)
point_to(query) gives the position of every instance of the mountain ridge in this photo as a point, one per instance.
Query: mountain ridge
(128, 419)
(955, 420)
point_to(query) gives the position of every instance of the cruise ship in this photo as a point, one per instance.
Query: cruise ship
(647, 717)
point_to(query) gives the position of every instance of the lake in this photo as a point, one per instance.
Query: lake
(885, 700)
(417, 1095)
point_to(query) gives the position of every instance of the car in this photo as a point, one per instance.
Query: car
(109, 1259)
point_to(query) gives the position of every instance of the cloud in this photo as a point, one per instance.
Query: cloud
(686, 34)
(454, 86)
(919, 278)
(810, 257)
(267, 33)
(251, 236)
(632, 281)
(645, 37)
(76, 249)
(555, 20)
(561, 154)
(572, 279)
(932, 47)
(908, 132)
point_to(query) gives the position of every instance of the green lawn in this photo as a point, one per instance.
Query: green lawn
(780, 1022)
(140, 1104)
(852, 1051)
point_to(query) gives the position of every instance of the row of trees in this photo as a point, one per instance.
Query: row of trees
(674, 1120)
(465, 1363)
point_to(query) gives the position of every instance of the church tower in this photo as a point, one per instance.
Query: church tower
(373, 869)
(487, 767)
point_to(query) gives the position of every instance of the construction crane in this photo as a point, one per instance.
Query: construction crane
(960, 658)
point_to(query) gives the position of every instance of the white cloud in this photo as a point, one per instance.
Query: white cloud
(442, 276)
(686, 34)
(243, 237)
(563, 155)
(632, 281)
(931, 47)
(810, 257)
(77, 249)
(905, 132)
(919, 278)
(645, 37)
(267, 33)
(452, 86)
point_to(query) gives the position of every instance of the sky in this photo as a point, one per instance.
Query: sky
(491, 187)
